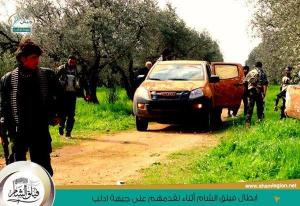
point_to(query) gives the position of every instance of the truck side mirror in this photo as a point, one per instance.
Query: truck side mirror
(141, 77)
(214, 78)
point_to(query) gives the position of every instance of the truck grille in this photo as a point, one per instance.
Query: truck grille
(169, 95)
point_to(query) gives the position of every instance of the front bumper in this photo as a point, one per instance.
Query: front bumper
(168, 111)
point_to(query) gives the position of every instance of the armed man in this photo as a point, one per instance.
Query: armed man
(286, 80)
(257, 84)
(30, 101)
(69, 77)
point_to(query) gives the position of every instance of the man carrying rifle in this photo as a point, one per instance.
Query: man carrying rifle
(30, 101)
(257, 84)
(286, 80)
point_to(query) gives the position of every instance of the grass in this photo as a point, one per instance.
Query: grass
(269, 150)
(94, 119)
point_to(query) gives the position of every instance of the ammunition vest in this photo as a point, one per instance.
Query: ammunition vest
(15, 88)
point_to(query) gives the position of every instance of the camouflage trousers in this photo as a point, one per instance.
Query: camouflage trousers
(281, 95)
(245, 101)
(255, 97)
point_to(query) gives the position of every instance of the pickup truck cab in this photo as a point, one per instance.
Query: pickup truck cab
(182, 91)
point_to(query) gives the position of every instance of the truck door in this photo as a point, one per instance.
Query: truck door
(230, 89)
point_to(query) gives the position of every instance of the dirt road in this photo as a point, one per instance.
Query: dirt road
(105, 159)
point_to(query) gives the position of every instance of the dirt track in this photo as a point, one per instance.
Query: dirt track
(105, 159)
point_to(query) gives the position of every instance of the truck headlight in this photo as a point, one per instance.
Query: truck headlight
(196, 93)
(142, 92)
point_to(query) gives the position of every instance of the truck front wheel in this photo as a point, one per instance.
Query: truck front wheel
(213, 119)
(141, 124)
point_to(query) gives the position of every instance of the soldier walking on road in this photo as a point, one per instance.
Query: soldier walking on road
(29, 102)
(286, 80)
(257, 84)
(68, 76)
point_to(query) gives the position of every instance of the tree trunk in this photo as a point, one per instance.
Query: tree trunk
(93, 83)
(127, 82)
(131, 86)
(94, 71)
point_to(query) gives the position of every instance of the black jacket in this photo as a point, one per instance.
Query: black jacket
(51, 98)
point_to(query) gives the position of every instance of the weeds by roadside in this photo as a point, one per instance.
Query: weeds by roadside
(267, 151)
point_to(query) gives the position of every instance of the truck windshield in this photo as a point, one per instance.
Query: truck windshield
(177, 72)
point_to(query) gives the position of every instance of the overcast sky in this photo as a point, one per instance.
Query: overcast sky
(228, 22)
(6, 8)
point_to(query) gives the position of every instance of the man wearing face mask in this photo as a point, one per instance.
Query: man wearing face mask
(68, 76)
(30, 101)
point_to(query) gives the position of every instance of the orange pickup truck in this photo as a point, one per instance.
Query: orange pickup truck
(188, 91)
(293, 101)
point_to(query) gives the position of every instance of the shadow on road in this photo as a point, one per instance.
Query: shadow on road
(107, 140)
(198, 129)
(179, 128)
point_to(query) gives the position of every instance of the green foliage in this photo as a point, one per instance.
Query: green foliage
(8, 40)
(105, 117)
(112, 95)
(111, 35)
(267, 151)
(278, 25)
(7, 63)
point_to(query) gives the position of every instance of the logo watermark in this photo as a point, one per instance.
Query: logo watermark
(25, 183)
(20, 25)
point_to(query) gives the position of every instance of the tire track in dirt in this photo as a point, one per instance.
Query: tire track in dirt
(105, 159)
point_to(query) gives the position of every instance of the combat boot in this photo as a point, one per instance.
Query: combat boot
(61, 131)
(68, 135)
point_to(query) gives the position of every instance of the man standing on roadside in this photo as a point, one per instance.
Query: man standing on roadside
(146, 69)
(30, 101)
(143, 71)
(245, 95)
(257, 84)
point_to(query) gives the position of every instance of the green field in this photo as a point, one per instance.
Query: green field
(94, 119)
(267, 151)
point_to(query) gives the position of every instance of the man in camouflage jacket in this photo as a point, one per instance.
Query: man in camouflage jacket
(257, 84)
